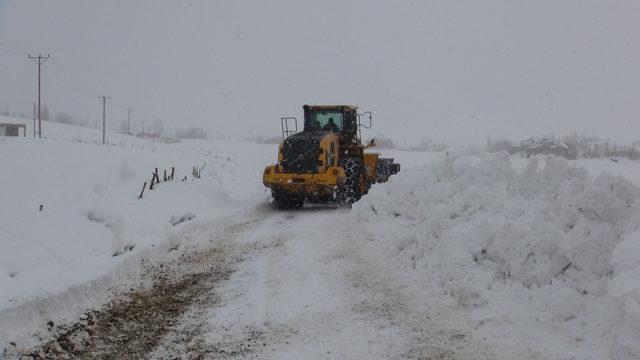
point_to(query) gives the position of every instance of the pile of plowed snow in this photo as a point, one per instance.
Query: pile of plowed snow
(548, 255)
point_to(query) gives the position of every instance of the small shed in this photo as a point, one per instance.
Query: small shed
(7, 129)
(534, 146)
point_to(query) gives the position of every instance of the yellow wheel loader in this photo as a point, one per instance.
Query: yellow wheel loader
(326, 161)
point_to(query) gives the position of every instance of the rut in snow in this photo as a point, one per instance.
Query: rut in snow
(133, 326)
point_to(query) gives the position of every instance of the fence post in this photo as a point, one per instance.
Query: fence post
(142, 192)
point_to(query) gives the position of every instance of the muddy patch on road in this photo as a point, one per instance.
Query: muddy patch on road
(132, 326)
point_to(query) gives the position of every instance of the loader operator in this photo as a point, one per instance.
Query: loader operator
(331, 126)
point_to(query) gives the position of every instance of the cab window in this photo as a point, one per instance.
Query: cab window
(324, 118)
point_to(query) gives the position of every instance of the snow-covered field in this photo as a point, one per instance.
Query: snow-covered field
(462, 255)
(93, 231)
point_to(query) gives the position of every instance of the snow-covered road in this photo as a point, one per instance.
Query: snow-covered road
(279, 285)
(305, 291)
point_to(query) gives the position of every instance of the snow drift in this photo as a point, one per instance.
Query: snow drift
(549, 251)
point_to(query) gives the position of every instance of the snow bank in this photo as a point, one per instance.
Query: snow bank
(549, 251)
(93, 231)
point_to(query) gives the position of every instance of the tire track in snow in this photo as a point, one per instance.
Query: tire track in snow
(308, 292)
(188, 339)
(425, 327)
(132, 326)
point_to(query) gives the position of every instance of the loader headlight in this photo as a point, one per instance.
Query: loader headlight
(335, 172)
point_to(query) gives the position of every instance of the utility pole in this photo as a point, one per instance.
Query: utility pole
(104, 113)
(34, 120)
(129, 109)
(39, 60)
(142, 127)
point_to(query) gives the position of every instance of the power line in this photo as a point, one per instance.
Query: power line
(104, 112)
(65, 75)
(80, 86)
(12, 49)
(39, 60)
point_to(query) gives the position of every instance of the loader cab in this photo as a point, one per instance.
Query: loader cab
(341, 119)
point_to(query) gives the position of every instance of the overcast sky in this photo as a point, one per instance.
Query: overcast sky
(455, 71)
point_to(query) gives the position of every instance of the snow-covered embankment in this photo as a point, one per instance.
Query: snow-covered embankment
(93, 235)
(545, 258)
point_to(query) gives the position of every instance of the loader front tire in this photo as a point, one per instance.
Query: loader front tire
(287, 201)
(352, 190)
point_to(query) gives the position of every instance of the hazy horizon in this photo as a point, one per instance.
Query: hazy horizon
(453, 71)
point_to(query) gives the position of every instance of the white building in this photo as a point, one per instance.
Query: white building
(7, 129)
